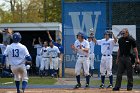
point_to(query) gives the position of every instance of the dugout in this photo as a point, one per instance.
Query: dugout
(34, 30)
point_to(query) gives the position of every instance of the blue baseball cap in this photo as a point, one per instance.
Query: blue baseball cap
(6, 28)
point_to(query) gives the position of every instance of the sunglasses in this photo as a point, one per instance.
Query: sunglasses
(122, 33)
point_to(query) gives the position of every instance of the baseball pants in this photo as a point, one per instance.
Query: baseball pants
(82, 61)
(54, 63)
(91, 57)
(38, 60)
(20, 72)
(44, 64)
(106, 65)
(124, 63)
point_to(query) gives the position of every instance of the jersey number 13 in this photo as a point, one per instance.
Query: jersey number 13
(15, 52)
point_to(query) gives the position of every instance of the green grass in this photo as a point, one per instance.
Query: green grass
(124, 82)
(52, 81)
(32, 80)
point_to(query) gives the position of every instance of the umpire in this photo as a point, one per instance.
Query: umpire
(126, 43)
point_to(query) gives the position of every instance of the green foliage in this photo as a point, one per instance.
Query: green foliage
(31, 11)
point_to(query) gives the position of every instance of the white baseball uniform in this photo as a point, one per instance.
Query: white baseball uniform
(38, 56)
(106, 60)
(91, 55)
(45, 59)
(53, 54)
(3, 47)
(16, 53)
(83, 57)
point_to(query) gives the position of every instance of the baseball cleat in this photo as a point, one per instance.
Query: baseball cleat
(115, 89)
(77, 86)
(129, 89)
(102, 86)
(87, 86)
(110, 86)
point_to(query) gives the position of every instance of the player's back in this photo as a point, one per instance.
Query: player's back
(16, 53)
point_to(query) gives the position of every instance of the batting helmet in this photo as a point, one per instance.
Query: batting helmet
(80, 34)
(16, 37)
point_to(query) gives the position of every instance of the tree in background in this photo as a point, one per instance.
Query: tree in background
(31, 11)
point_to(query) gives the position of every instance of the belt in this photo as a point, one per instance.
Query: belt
(124, 55)
(82, 56)
(91, 52)
(106, 55)
(46, 57)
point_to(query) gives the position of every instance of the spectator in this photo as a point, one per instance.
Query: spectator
(7, 34)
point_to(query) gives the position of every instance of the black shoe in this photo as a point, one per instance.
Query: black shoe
(77, 86)
(129, 89)
(110, 86)
(102, 86)
(87, 86)
(115, 89)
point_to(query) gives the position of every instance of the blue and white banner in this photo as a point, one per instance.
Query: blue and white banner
(81, 17)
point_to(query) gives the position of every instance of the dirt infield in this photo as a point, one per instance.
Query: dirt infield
(81, 90)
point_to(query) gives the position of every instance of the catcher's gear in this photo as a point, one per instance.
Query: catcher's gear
(16, 37)
(137, 68)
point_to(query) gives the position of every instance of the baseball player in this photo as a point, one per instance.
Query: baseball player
(54, 54)
(81, 47)
(3, 47)
(38, 56)
(107, 45)
(61, 49)
(91, 54)
(45, 60)
(18, 56)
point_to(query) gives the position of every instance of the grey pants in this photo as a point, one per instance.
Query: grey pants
(124, 64)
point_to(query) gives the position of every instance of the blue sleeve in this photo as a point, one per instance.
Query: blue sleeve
(28, 58)
(55, 43)
(61, 49)
(3, 59)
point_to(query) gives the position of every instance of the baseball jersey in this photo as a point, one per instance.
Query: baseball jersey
(60, 47)
(91, 44)
(53, 52)
(3, 47)
(16, 53)
(38, 47)
(106, 46)
(43, 52)
(85, 44)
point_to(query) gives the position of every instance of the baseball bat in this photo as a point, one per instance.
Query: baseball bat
(60, 66)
